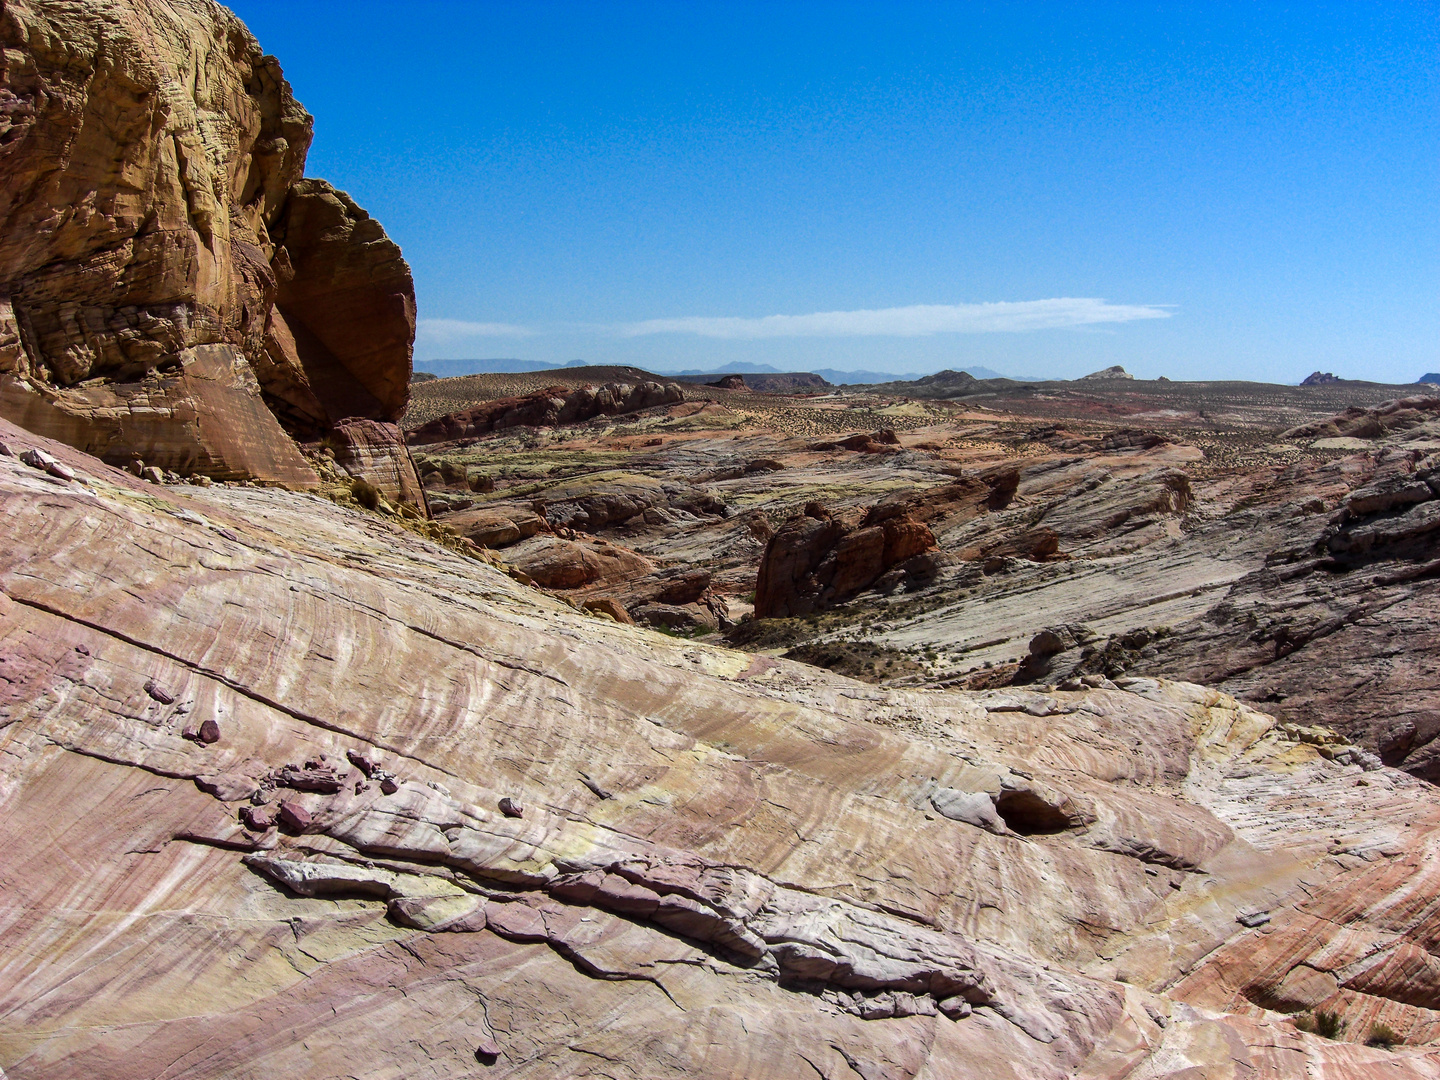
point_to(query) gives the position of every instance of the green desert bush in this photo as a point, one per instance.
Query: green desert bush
(1383, 1035)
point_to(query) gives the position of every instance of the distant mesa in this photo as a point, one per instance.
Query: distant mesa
(1115, 372)
(781, 382)
(548, 407)
(948, 378)
(1324, 378)
(1431, 377)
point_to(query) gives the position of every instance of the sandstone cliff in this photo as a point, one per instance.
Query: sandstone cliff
(170, 284)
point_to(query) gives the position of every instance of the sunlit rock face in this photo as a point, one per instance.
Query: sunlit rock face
(171, 287)
(286, 791)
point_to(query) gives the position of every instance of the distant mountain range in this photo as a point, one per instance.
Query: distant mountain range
(449, 368)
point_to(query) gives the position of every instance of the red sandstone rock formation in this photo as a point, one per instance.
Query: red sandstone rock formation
(814, 560)
(165, 271)
(546, 408)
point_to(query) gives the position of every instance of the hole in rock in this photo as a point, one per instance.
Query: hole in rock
(1029, 815)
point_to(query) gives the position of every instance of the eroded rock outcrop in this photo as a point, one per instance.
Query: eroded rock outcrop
(816, 559)
(546, 408)
(165, 271)
(1360, 422)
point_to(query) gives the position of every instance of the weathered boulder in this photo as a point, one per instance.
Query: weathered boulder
(1397, 490)
(609, 607)
(1113, 372)
(496, 527)
(151, 156)
(879, 442)
(569, 564)
(676, 616)
(605, 500)
(814, 559)
(346, 303)
(1131, 439)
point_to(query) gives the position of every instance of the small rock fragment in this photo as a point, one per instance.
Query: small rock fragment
(209, 732)
(36, 459)
(512, 807)
(227, 786)
(5, 451)
(136, 467)
(956, 1008)
(160, 694)
(152, 475)
(39, 459)
(389, 785)
(1253, 919)
(294, 816)
(488, 1050)
(314, 777)
(361, 762)
(879, 1007)
(598, 791)
(258, 818)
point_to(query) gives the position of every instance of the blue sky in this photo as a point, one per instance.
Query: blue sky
(1191, 190)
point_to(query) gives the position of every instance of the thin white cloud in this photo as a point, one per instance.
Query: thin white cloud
(448, 331)
(918, 320)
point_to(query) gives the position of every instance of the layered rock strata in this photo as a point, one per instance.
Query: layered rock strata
(547, 408)
(170, 284)
(816, 559)
(439, 822)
